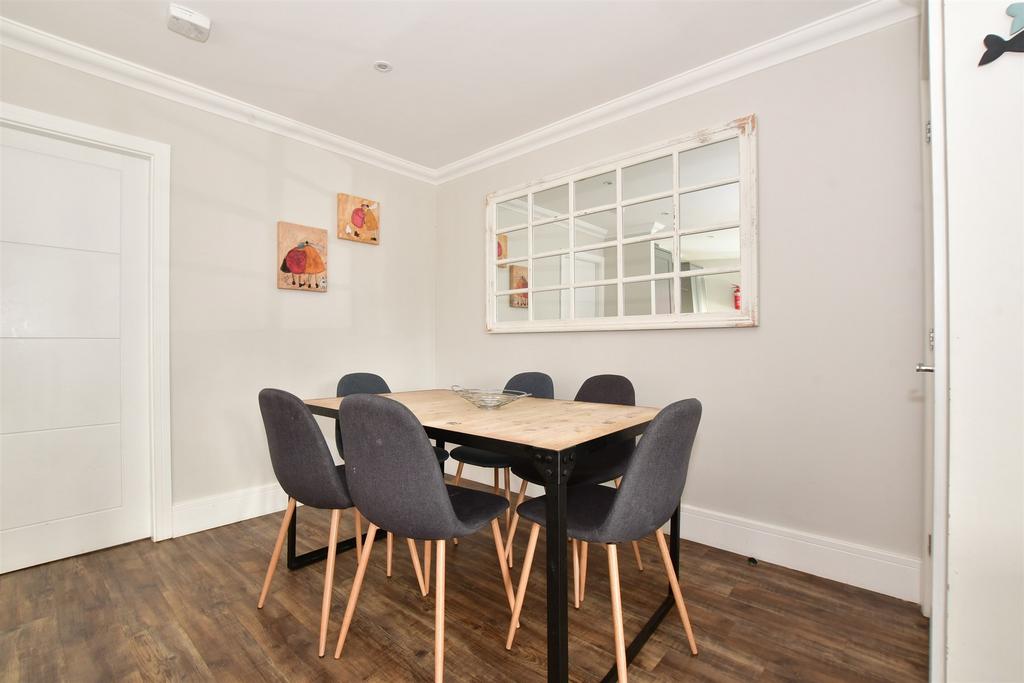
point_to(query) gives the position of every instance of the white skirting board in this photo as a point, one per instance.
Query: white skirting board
(858, 565)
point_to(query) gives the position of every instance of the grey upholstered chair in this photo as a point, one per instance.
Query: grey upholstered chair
(306, 471)
(607, 464)
(369, 383)
(538, 385)
(394, 480)
(649, 495)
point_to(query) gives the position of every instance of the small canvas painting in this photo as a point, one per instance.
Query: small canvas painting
(302, 257)
(358, 219)
(518, 279)
(502, 248)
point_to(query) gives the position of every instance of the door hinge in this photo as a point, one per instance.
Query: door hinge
(931, 339)
(928, 133)
(929, 545)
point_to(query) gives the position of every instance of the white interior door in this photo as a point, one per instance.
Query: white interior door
(75, 429)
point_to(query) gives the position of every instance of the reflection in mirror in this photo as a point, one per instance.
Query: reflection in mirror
(550, 237)
(595, 191)
(647, 298)
(553, 305)
(707, 164)
(597, 302)
(595, 228)
(596, 264)
(715, 249)
(550, 203)
(709, 293)
(647, 178)
(512, 244)
(510, 213)
(511, 276)
(551, 270)
(713, 206)
(511, 307)
(648, 218)
(647, 258)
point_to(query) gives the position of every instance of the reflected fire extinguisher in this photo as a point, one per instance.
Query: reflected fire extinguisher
(736, 297)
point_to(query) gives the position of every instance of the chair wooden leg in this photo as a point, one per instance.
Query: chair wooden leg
(458, 478)
(515, 522)
(508, 497)
(414, 553)
(576, 573)
(677, 593)
(439, 615)
(276, 555)
(524, 577)
(426, 566)
(499, 548)
(497, 483)
(357, 583)
(325, 607)
(636, 546)
(620, 639)
(583, 569)
(390, 546)
(359, 535)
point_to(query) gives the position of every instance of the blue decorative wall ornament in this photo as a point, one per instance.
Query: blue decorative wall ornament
(997, 46)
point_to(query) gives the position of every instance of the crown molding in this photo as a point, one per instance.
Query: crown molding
(67, 53)
(856, 21)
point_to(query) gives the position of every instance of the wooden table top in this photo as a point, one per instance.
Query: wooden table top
(538, 422)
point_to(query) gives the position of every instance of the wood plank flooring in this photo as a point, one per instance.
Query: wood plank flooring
(185, 609)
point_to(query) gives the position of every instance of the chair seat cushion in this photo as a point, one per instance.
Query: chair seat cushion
(441, 453)
(480, 457)
(332, 497)
(475, 509)
(587, 507)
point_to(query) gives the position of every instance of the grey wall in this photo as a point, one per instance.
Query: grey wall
(814, 420)
(232, 331)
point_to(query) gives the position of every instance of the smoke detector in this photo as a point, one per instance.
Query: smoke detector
(188, 23)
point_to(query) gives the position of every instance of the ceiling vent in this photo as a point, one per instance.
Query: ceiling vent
(188, 23)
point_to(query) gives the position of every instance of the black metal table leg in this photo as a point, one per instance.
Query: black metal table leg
(313, 556)
(556, 468)
(666, 606)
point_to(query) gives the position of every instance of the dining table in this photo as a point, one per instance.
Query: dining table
(553, 435)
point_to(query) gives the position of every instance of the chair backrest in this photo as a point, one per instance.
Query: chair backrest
(392, 471)
(654, 480)
(302, 461)
(607, 389)
(357, 383)
(537, 384)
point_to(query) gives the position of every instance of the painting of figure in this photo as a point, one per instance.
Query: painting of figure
(518, 278)
(358, 219)
(302, 255)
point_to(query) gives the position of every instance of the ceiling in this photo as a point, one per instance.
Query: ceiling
(467, 75)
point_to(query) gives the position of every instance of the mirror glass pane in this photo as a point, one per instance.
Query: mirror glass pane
(596, 191)
(653, 297)
(512, 244)
(512, 212)
(713, 206)
(596, 264)
(512, 307)
(597, 302)
(647, 258)
(716, 249)
(511, 276)
(553, 305)
(550, 203)
(650, 177)
(647, 218)
(550, 237)
(717, 161)
(708, 293)
(551, 270)
(595, 228)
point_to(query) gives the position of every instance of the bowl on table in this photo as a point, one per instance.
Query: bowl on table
(489, 399)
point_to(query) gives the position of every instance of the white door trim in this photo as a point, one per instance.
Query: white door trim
(940, 292)
(159, 156)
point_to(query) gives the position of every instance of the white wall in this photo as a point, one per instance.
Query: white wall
(811, 446)
(985, 185)
(232, 331)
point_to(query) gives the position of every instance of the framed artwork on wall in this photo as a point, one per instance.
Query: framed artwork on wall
(302, 255)
(358, 219)
(518, 278)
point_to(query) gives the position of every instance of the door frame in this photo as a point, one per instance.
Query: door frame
(158, 155)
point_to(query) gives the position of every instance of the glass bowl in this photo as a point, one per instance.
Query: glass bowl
(488, 399)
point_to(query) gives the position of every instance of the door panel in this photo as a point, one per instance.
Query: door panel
(74, 349)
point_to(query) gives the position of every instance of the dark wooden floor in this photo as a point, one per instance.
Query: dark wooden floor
(185, 609)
